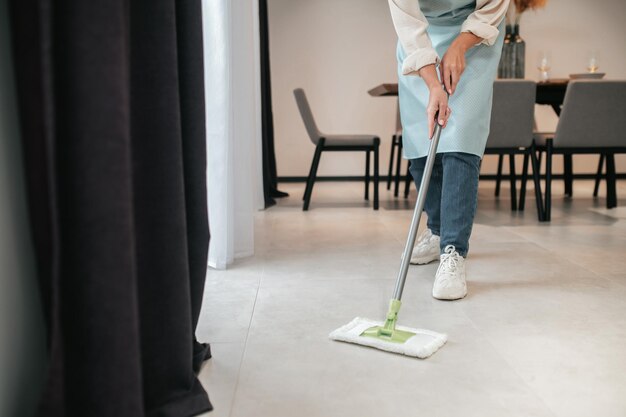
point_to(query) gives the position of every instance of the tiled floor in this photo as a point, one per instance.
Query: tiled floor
(541, 333)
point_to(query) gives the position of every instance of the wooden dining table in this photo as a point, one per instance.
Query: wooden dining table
(550, 92)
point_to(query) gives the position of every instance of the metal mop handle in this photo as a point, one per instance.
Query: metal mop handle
(417, 213)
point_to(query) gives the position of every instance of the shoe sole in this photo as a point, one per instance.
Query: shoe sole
(450, 297)
(424, 261)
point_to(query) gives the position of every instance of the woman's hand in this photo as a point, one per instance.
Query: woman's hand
(437, 107)
(453, 62)
(437, 100)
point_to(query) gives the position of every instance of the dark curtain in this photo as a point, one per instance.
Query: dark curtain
(111, 101)
(270, 186)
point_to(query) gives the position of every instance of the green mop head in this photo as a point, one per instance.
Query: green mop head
(387, 336)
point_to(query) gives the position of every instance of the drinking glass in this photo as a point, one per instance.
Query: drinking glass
(592, 65)
(543, 65)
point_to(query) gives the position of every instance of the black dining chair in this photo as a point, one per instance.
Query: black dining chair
(395, 156)
(511, 134)
(602, 172)
(336, 143)
(592, 121)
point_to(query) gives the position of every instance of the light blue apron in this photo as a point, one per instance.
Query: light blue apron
(468, 125)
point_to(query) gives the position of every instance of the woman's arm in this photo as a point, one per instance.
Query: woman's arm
(437, 99)
(421, 57)
(480, 27)
(484, 21)
(411, 25)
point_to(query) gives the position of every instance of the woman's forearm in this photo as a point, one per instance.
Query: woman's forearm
(467, 40)
(453, 62)
(429, 75)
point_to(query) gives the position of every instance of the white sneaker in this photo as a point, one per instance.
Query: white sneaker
(450, 278)
(426, 250)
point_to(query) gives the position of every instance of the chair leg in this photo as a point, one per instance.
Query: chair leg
(513, 181)
(376, 175)
(408, 180)
(536, 180)
(611, 193)
(596, 186)
(548, 197)
(522, 194)
(539, 155)
(499, 174)
(308, 179)
(568, 178)
(391, 155)
(367, 175)
(396, 179)
(312, 175)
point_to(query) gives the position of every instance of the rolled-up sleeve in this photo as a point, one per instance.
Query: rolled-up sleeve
(484, 21)
(411, 26)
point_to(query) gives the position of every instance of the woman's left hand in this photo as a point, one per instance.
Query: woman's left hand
(453, 62)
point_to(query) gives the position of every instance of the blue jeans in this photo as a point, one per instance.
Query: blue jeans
(452, 197)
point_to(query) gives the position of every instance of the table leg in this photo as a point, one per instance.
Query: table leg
(611, 195)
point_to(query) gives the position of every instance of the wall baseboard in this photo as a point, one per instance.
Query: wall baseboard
(383, 178)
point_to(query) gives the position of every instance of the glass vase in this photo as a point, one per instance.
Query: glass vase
(520, 53)
(504, 65)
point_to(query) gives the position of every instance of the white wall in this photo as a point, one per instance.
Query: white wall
(338, 49)
(22, 344)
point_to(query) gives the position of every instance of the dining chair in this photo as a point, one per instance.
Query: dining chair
(592, 121)
(335, 143)
(396, 143)
(600, 174)
(568, 169)
(511, 133)
(395, 155)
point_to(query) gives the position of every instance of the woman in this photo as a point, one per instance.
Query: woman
(468, 37)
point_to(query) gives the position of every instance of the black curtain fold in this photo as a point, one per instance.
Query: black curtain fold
(270, 177)
(111, 98)
(192, 112)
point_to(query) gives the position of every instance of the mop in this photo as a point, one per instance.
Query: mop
(388, 336)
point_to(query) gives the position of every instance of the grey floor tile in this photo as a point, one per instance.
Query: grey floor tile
(219, 376)
(227, 307)
(541, 332)
(323, 378)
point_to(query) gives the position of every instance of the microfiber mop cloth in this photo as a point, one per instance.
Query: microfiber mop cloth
(388, 336)
(422, 345)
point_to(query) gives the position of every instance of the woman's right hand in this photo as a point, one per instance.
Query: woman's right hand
(437, 100)
(437, 107)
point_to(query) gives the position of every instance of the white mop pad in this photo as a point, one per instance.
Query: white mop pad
(422, 345)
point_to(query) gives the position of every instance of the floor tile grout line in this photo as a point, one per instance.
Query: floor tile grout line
(245, 342)
(393, 234)
(266, 274)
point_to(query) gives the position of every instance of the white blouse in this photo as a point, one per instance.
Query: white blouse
(411, 25)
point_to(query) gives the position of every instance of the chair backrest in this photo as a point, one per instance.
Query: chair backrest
(512, 114)
(307, 115)
(593, 115)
